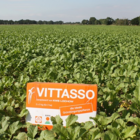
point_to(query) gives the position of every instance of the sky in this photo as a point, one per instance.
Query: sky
(68, 10)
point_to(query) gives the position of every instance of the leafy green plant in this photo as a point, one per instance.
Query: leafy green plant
(107, 56)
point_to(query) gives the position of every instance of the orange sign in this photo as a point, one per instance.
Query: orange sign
(51, 99)
(38, 119)
(76, 109)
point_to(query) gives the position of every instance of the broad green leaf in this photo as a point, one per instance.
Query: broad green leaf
(106, 120)
(47, 135)
(14, 127)
(71, 119)
(74, 132)
(32, 131)
(23, 113)
(137, 91)
(58, 119)
(21, 136)
(115, 131)
(115, 116)
(135, 120)
(95, 132)
(109, 136)
(53, 119)
(121, 122)
(5, 123)
(88, 125)
(62, 131)
(129, 131)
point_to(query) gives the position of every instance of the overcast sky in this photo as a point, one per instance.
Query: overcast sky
(68, 10)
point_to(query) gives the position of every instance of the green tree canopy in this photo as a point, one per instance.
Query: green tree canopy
(40, 22)
(135, 21)
(85, 21)
(109, 21)
(50, 22)
(92, 20)
(10, 22)
(122, 21)
(97, 22)
(102, 21)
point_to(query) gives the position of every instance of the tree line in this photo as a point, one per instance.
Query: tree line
(110, 21)
(91, 21)
(27, 21)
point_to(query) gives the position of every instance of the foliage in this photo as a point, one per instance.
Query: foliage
(102, 21)
(109, 21)
(84, 21)
(135, 21)
(97, 22)
(92, 20)
(122, 22)
(27, 21)
(105, 55)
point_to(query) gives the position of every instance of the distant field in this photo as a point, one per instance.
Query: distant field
(105, 55)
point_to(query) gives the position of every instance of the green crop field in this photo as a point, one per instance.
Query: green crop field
(105, 55)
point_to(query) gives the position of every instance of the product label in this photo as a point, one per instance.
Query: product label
(50, 99)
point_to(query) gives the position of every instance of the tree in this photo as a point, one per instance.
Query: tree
(92, 20)
(5, 21)
(10, 22)
(121, 21)
(135, 21)
(21, 21)
(27, 21)
(58, 22)
(67, 23)
(97, 22)
(117, 21)
(40, 22)
(33, 22)
(85, 21)
(77, 22)
(126, 21)
(1, 22)
(102, 21)
(50, 22)
(109, 21)
(139, 20)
